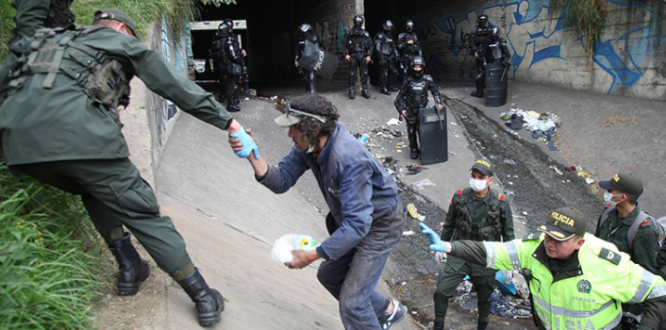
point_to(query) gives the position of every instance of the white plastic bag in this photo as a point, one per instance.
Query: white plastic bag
(284, 245)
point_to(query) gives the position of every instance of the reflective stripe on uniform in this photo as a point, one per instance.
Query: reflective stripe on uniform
(658, 291)
(643, 287)
(561, 311)
(513, 255)
(491, 254)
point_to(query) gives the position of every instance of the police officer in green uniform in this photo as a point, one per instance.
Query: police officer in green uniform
(481, 214)
(58, 124)
(623, 218)
(576, 280)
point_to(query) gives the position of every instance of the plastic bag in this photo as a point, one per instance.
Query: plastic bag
(284, 245)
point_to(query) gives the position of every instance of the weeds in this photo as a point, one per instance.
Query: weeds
(48, 257)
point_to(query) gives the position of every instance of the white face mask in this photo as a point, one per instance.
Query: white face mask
(607, 198)
(478, 185)
(123, 31)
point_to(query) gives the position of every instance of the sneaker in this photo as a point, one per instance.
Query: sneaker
(387, 321)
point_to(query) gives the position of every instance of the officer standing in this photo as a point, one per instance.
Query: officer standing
(72, 139)
(230, 65)
(412, 97)
(622, 219)
(239, 50)
(495, 51)
(408, 47)
(386, 54)
(478, 213)
(216, 49)
(477, 44)
(308, 75)
(576, 280)
(357, 49)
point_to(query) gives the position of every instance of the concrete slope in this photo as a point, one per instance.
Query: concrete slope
(229, 223)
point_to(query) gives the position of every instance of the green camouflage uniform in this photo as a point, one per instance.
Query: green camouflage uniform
(456, 269)
(62, 136)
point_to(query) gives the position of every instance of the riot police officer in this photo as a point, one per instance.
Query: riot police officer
(494, 51)
(414, 96)
(308, 75)
(357, 48)
(408, 46)
(229, 64)
(386, 55)
(477, 44)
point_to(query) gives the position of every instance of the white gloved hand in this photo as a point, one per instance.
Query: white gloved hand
(440, 257)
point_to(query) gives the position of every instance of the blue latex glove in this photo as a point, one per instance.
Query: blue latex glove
(437, 243)
(248, 144)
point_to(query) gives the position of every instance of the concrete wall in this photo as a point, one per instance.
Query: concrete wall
(150, 118)
(630, 58)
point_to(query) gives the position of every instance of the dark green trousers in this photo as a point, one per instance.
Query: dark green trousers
(114, 194)
(453, 273)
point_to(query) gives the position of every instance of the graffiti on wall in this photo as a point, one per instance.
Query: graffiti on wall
(165, 110)
(536, 44)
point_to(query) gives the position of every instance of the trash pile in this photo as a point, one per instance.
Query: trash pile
(542, 125)
(510, 299)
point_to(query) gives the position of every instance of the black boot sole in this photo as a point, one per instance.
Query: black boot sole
(130, 289)
(212, 318)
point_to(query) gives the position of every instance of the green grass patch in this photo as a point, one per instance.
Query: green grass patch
(50, 260)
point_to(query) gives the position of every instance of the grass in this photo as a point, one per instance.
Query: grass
(49, 257)
(176, 13)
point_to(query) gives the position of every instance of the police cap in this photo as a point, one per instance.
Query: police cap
(118, 15)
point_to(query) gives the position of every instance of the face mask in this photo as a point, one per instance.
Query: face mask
(607, 198)
(478, 185)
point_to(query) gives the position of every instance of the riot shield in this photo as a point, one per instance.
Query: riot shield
(322, 62)
(433, 136)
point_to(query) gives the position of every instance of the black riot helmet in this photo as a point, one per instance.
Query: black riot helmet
(418, 60)
(482, 21)
(409, 25)
(358, 21)
(230, 23)
(494, 34)
(305, 28)
(223, 29)
(388, 25)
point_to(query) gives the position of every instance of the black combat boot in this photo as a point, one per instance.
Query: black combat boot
(352, 93)
(232, 105)
(385, 91)
(438, 326)
(482, 325)
(479, 90)
(132, 270)
(415, 153)
(365, 92)
(60, 15)
(209, 302)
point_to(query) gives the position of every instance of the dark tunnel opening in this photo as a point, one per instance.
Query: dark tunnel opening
(272, 30)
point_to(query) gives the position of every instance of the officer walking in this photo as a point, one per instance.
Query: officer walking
(477, 44)
(494, 51)
(412, 97)
(308, 75)
(633, 231)
(478, 213)
(386, 55)
(58, 124)
(409, 46)
(357, 49)
(230, 65)
(576, 280)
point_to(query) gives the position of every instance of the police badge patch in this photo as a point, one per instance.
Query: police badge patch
(584, 286)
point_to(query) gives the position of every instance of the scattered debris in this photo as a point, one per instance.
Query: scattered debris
(418, 185)
(557, 170)
(408, 233)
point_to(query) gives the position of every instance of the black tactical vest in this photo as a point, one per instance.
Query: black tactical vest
(489, 229)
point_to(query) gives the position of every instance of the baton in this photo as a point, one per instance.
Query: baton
(503, 73)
